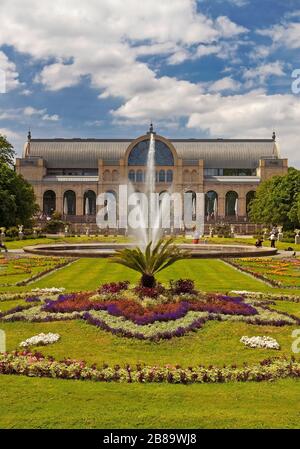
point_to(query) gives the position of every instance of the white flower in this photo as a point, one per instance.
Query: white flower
(40, 339)
(260, 342)
(53, 290)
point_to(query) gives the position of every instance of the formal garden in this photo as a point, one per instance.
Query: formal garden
(149, 337)
(87, 330)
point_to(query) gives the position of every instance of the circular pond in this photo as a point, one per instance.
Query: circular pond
(201, 250)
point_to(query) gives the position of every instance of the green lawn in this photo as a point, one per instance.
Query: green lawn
(217, 343)
(47, 403)
(51, 403)
(209, 275)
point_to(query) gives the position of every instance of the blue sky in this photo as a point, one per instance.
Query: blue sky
(105, 68)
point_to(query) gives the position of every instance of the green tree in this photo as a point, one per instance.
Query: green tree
(151, 261)
(17, 199)
(277, 201)
(7, 152)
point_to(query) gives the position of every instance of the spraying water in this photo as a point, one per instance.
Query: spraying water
(152, 216)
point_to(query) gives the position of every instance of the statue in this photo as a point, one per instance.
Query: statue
(297, 236)
(21, 233)
(232, 229)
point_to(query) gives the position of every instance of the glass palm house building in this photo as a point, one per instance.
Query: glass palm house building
(68, 174)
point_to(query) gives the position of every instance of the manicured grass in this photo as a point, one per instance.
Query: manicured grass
(290, 307)
(52, 403)
(19, 244)
(209, 275)
(217, 343)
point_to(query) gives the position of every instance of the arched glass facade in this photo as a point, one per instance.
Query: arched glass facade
(49, 202)
(231, 204)
(89, 203)
(69, 203)
(211, 204)
(139, 153)
(249, 197)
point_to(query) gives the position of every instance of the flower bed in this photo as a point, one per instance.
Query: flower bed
(36, 365)
(260, 342)
(40, 340)
(276, 272)
(149, 319)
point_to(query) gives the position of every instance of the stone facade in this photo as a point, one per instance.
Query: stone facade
(228, 171)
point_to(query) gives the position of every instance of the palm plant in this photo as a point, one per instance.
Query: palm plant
(151, 261)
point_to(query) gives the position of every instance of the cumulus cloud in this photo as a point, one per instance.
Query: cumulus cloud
(76, 39)
(286, 34)
(10, 75)
(29, 111)
(263, 72)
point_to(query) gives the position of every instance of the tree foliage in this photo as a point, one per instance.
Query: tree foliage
(151, 261)
(17, 199)
(7, 152)
(277, 201)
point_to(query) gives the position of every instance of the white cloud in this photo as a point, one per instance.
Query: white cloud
(228, 28)
(225, 84)
(9, 133)
(286, 34)
(29, 111)
(11, 75)
(263, 72)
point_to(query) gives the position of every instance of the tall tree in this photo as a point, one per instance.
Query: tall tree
(17, 199)
(277, 201)
(7, 152)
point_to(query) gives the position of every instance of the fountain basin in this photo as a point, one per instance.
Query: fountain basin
(204, 251)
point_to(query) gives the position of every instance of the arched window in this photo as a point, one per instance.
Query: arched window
(249, 197)
(194, 176)
(211, 204)
(115, 175)
(162, 176)
(169, 176)
(139, 154)
(186, 176)
(109, 205)
(231, 204)
(193, 203)
(69, 203)
(49, 202)
(106, 176)
(131, 175)
(139, 176)
(89, 203)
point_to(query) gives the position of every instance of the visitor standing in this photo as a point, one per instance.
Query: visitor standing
(273, 240)
(196, 235)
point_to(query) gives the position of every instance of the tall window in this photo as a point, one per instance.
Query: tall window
(89, 203)
(131, 175)
(162, 176)
(231, 204)
(211, 204)
(49, 202)
(169, 176)
(69, 203)
(139, 154)
(139, 176)
(249, 198)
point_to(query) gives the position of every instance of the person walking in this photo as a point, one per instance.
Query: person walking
(273, 240)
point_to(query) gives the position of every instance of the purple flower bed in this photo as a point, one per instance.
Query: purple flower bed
(179, 332)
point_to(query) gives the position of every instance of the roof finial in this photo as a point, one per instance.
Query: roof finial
(29, 135)
(274, 135)
(151, 128)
